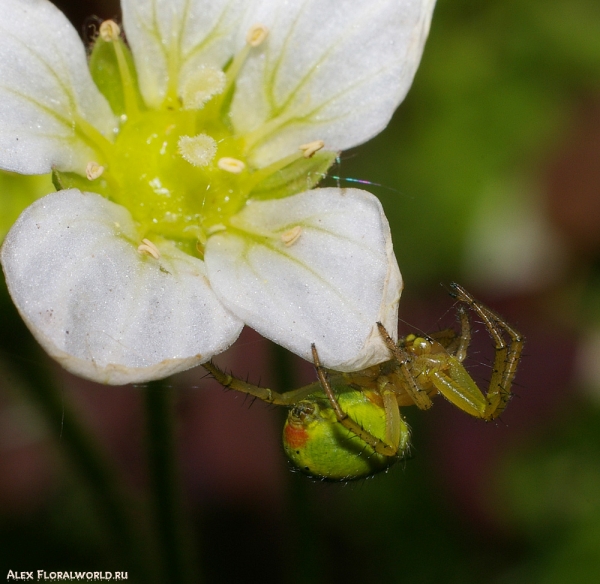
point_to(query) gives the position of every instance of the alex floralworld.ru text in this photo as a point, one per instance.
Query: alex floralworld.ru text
(66, 576)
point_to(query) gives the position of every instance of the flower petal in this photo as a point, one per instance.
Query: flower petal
(98, 306)
(171, 39)
(332, 71)
(45, 89)
(317, 267)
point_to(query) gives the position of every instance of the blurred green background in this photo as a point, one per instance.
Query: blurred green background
(491, 177)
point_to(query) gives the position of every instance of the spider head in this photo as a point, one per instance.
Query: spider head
(418, 345)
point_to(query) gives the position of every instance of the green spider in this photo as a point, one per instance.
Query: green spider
(348, 425)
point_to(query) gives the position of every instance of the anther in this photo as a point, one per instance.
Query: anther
(257, 33)
(215, 229)
(310, 149)
(93, 170)
(148, 248)
(109, 31)
(291, 236)
(197, 150)
(232, 165)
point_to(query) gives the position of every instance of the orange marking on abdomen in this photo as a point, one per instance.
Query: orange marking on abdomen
(296, 437)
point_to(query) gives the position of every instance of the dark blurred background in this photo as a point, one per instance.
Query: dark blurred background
(491, 177)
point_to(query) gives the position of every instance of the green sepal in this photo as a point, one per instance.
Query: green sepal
(71, 180)
(17, 192)
(299, 176)
(104, 67)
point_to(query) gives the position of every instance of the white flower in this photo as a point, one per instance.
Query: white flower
(186, 207)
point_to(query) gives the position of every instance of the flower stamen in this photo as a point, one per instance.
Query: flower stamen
(148, 248)
(310, 149)
(110, 31)
(232, 165)
(215, 229)
(257, 33)
(291, 236)
(93, 170)
(197, 150)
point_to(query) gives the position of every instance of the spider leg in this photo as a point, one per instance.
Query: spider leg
(507, 356)
(455, 344)
(447, 338)
(464, 339)
(263, 393)
(390, 446)
(418, 395)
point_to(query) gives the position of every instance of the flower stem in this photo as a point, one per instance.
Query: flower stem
(114, 506)
(173, 531)
(306, 556)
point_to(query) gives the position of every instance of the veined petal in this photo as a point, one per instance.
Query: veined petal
(171, 39)
(317, 267)
(45, 90)
(333, 71)
(101, 308)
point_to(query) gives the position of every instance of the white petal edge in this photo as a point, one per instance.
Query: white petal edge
(329, 287)
(331, 71)
(98, 306)
(183, 34)
(45, 87)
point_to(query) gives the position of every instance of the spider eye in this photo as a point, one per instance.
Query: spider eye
(303, 412)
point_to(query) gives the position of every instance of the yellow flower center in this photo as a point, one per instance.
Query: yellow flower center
(180, 170)
(166, 165)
